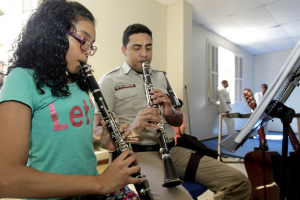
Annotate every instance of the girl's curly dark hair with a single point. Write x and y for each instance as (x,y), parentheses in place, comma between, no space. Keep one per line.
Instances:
(43,45)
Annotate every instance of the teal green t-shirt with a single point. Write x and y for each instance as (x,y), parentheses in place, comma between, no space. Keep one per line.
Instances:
(61,137)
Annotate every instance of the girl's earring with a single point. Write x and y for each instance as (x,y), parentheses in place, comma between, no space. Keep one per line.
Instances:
(67,73)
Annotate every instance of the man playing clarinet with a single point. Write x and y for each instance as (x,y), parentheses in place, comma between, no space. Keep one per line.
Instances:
(123,89)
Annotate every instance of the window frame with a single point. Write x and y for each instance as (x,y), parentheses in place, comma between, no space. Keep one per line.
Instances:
(212,62)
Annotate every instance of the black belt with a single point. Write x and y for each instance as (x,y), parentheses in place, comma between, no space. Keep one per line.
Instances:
(155,147)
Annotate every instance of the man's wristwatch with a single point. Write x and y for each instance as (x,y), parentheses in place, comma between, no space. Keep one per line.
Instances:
(174,114)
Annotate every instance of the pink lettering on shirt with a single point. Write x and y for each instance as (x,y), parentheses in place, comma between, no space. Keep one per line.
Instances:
(91,103)
(86,108)
(56,125)
(73,116)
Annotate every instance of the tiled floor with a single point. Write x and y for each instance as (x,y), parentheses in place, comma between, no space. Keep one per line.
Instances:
(205,196)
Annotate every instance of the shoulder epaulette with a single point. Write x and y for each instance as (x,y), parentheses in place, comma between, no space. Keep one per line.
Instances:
(114,70)
(159,71)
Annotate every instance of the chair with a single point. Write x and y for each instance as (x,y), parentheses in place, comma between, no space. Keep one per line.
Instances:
(195,189)
(229,115)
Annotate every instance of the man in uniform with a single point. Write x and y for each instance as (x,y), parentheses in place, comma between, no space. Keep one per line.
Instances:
(123,90)
(225,107)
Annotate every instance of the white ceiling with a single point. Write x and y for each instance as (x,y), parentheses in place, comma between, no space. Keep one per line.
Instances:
(258,26)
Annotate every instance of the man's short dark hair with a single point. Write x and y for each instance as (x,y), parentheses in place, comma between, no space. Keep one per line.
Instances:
(264,85)
(224,81)
(134,29)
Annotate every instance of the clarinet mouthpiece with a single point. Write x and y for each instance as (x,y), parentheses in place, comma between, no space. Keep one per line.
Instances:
(82,63)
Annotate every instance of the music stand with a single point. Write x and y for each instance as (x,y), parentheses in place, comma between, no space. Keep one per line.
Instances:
(272,106)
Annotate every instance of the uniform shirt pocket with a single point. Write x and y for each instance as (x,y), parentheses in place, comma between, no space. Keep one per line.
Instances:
(126,97)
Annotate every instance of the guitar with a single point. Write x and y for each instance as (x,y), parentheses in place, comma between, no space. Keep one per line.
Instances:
(248,95)
(263,145)
(258,164)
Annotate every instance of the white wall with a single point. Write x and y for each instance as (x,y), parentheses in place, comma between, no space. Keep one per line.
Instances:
(179,48)
(204,115)
(266,67)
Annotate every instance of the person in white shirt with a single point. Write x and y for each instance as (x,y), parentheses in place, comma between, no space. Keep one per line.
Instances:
(259,95)
(225,107)
(258,98)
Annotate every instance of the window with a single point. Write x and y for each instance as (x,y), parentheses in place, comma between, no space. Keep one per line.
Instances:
(223,64)
(238,64)
(213,68)
(27,7)
(14,16)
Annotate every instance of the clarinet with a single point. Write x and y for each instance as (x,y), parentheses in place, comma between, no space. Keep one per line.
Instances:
(171,177)
(107,116)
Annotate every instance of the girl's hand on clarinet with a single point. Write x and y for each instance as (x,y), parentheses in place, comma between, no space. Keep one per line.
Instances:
(118,173)
(105,140)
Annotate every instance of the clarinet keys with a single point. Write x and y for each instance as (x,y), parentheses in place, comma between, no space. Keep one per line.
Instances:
(171,177)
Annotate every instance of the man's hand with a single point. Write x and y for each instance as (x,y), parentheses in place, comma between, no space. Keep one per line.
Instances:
(145,119)
(147,116)
(163,100)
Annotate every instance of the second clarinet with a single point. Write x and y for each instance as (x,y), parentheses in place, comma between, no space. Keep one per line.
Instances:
(171,177)
(107,116)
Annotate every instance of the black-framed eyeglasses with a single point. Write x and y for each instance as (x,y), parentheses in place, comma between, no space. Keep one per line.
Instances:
(85,44)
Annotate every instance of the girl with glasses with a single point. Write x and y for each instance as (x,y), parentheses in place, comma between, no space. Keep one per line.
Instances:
(46,114)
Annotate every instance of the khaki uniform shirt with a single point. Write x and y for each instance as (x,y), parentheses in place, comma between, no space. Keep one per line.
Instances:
(124,93)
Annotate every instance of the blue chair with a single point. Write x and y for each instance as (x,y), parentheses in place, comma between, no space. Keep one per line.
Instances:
(195,189)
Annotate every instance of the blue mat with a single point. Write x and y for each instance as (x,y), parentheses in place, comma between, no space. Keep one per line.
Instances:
(274,145)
